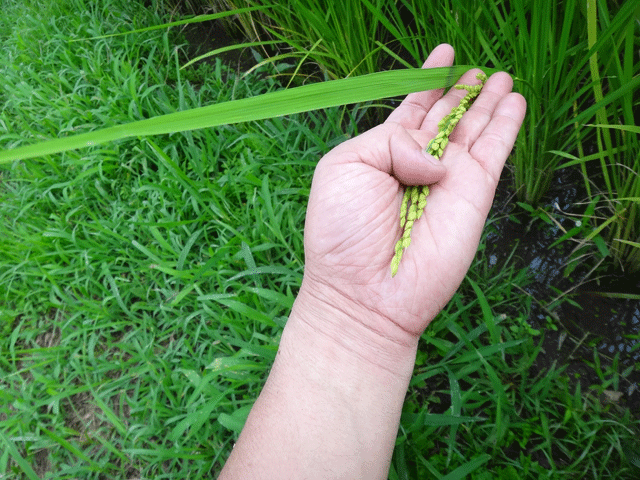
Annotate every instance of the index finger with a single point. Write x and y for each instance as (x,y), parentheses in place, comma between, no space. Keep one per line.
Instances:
(413,109)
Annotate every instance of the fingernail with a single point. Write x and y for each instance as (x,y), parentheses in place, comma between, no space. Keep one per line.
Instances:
(430,158)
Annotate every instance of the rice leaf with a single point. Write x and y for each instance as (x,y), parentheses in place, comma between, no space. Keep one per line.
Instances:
(626,128)
(274,104)
(188,21)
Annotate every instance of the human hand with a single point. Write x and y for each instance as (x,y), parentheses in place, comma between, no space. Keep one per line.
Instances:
(352,222)
(332,403)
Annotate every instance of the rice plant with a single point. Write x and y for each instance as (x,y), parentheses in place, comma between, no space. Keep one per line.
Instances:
(559,53)
(617,136)
(337,38)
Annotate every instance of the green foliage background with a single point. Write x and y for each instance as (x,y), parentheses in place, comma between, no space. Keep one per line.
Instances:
(144,285)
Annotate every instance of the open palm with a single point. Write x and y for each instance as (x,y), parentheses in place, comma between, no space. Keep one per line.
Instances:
(352,222)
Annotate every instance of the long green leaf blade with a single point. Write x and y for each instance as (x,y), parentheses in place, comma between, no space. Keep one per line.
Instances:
(197,19)
(363,88)
(15,454)
(626,128)
(463,470)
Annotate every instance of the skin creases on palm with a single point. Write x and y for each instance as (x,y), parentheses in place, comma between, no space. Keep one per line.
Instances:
(415,197)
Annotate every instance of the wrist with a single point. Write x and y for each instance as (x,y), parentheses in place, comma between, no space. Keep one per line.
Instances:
(333,400)
(342,386)
(332,403)
(325,321)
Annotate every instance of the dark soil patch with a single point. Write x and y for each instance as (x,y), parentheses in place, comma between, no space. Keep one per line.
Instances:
(576,301)
(205,37)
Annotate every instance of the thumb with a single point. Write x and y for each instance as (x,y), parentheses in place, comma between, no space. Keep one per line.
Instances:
(392,149)
(410,163)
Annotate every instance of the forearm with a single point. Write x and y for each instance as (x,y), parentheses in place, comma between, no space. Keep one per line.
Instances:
(332,403)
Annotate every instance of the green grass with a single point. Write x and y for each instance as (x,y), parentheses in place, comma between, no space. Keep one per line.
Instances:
(567,73)
(575,65)
(322,34)
(144,284)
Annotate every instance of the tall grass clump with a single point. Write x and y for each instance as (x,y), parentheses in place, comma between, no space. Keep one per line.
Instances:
(545,45)
(572,80)
(608,149)
(616,135)
(567,72)
(335,39)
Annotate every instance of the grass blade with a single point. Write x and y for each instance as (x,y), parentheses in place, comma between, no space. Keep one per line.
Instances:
(282,102)
(467,468)
(489,318)
(228,48)
(197,19)
(626,128)
(15,454)
(440,420)
(601,114)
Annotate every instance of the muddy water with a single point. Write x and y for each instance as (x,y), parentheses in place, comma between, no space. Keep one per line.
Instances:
(588,318)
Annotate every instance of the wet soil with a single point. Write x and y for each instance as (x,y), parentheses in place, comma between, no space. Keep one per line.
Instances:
(575,304)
